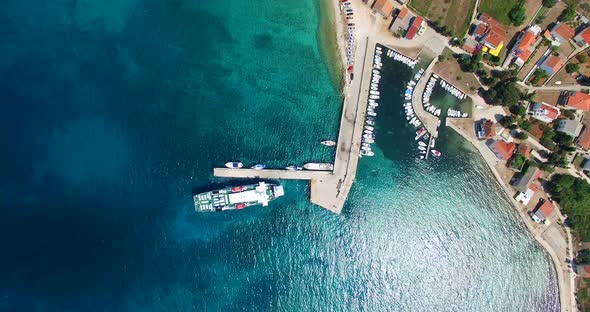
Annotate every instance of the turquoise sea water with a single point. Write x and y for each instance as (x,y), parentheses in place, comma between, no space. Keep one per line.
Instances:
(113,112)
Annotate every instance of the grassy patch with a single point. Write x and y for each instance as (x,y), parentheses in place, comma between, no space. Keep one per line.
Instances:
(582,295)
(578,161)
(421,6)
(454,14)
(498,9)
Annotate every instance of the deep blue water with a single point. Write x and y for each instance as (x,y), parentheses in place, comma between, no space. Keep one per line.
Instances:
(113,112)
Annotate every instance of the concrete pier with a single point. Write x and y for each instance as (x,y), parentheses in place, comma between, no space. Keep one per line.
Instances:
(330,189)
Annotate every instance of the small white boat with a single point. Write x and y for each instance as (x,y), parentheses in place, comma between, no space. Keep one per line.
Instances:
(368,131)
(371,114)
(368,136)
(422,148)
(259,167)
(328,143)
(366,144)
(370,122)
(420,157)
(367,153)
(368,140)
(234,165)
(369,128)
(294,168)
(422,143)
(436,153)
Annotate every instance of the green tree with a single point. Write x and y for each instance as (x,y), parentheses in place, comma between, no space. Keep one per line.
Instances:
(547,167)
(519,110)
(521,135)
(507,120)
(572,68)
(549,3)
(583,57)
(568,14)
(518,161)
(517,15)
(563,139)
(573,195)
(525,124)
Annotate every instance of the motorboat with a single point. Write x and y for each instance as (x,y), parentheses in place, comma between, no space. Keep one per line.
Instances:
(294,168)
(436,153)
(370,122)
(422,144)
(422,148)
(328,143)
(234,165)
(367,153)
(369,128)
(258,167)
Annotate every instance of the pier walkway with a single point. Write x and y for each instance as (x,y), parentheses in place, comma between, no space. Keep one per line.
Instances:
(330,189)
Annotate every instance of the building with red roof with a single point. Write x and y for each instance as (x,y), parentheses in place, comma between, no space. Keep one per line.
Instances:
(531,175)
(545,209)
(383,7)
(524,150)
(578,100)
(486,129)
(560,34)
(551,64)
(470,45)
(502,149)
(491,34)
(414,27)
(545,112)
(583,38)
(525,45)
(583,270)
(583,141)
(402,22)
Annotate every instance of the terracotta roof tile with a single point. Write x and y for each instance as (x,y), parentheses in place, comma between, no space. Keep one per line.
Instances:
(385,6)
(547,208)
(564,31)
(584,139)
(585,34)
(555,62)
(504,149)
(579,100)
(523,48)
(524,150)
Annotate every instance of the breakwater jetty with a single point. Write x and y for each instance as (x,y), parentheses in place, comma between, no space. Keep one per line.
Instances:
(330,189)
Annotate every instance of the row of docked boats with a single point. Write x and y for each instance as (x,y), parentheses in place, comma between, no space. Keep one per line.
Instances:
(456,113)
(402,58)
(307,166)
(428,93)
(452,90)
(374,95)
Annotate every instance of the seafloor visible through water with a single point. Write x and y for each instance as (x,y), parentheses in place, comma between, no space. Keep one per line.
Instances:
(113,112)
